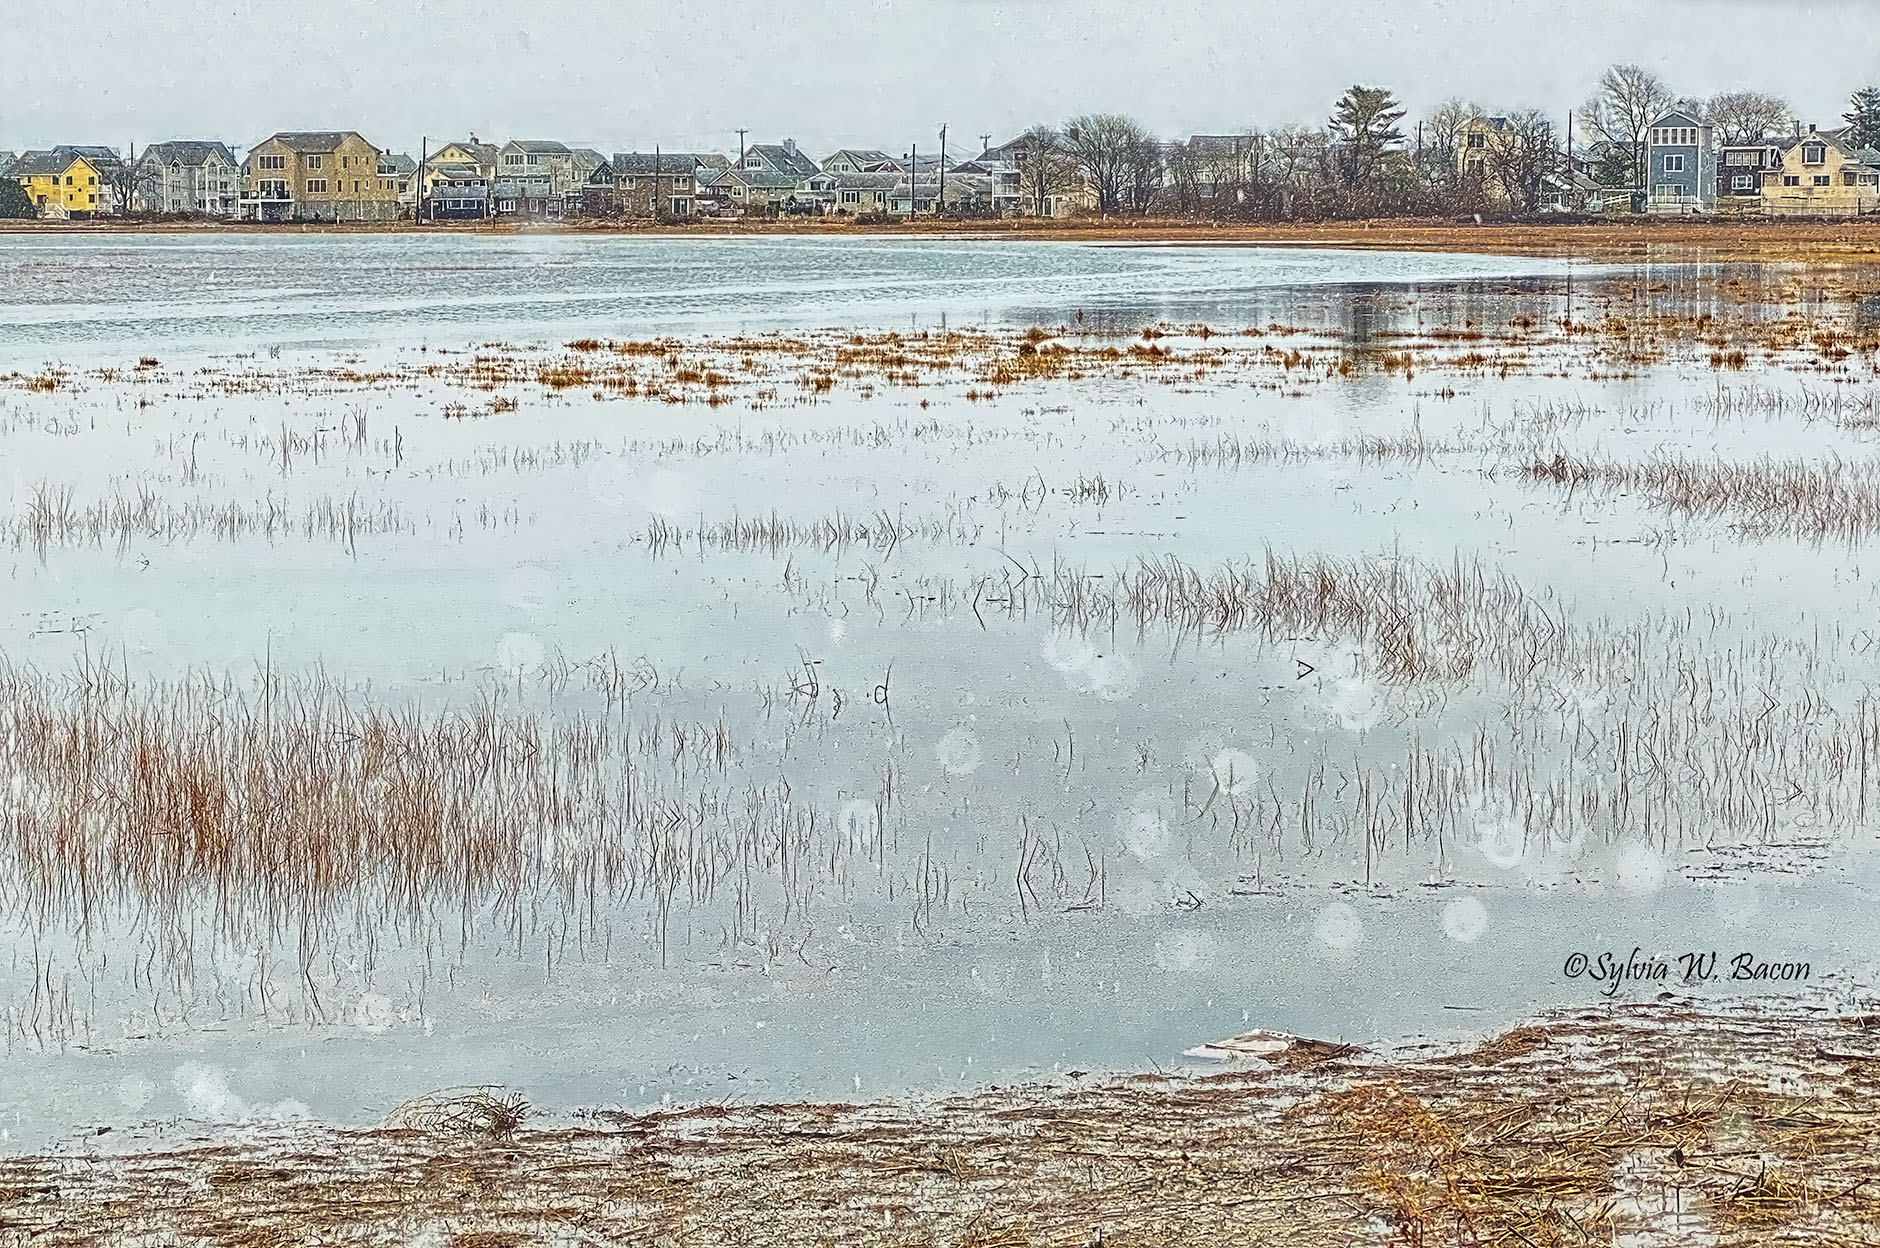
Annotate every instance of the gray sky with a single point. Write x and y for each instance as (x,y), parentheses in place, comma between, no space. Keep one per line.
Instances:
(877,73)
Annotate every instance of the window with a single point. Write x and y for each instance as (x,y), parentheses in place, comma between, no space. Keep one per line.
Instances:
(1822,179)
(851,197)
(1814,153)
(271,162)
(355,186)
(315,161)
(1742,182)
(316,186)
(1791,179)
(345,162)
(512,159)
(1674,164)
(1477,139)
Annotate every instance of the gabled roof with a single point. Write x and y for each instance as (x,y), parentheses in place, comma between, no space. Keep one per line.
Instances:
(46,162)
(538,147)
(781,160)
(401,163)
(863,158)
(627,164)
(191,153)
(587,156)
(763,179)
(314,142)
(829,180)
(483,153)
(1678,117)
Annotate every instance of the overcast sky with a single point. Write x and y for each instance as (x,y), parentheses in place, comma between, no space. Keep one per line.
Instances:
(877,73)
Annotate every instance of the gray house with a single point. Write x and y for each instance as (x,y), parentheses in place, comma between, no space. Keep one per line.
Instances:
(188,175)
(1680,164)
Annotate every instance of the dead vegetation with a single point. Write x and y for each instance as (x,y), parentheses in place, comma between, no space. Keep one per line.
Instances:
(1813,500)
(1650,1124)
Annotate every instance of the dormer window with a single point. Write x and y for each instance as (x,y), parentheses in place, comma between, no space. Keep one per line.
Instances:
(1814,153)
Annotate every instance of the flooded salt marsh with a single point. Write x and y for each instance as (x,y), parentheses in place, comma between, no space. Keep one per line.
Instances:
(622,711)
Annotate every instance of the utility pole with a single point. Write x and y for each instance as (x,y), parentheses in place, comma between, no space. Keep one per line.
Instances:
(940,201)
(741,135)
(985,144)
(913,182)
(658,206)
(420,207)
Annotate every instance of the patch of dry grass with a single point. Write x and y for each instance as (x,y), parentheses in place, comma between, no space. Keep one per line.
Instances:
(1724,1126)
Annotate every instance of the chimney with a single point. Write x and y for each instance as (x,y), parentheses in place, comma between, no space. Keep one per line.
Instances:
(1811,127)
(789,146)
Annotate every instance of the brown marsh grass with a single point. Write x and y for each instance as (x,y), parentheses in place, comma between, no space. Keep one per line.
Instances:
(1655,1123)
(1811,500)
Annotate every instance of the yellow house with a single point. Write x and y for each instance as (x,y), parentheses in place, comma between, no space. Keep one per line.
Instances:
(318,175)
(62,182)
(481,155)
(1821,174)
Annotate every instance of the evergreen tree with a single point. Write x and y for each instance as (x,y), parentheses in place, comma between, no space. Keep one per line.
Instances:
(1863,120)
(14,202)
(1365,125)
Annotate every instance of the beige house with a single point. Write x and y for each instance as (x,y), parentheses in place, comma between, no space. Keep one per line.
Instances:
(319,175)
(470,153)
(1819,174)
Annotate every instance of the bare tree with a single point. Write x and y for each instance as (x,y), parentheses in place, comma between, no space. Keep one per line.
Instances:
(1628,100)
(1143,172)
(1300,159)
(1106,148)
(1042,168)
(1745,116)
(1443,134)
(1520,155)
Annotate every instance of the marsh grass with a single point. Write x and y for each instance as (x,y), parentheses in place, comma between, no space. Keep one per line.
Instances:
(1670,1123)
(1812,500)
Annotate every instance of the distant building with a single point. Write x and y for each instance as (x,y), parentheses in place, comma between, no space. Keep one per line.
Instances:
(188,175)
(316,175)
(1680,164)
(456,193)
(70,182)
(400,173)
(781,159)
(1820,173)
(540,170)
(1740,171)
(649,184)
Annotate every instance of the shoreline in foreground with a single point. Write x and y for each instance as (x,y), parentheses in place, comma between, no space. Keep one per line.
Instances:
(1854,240)
(1727,1124)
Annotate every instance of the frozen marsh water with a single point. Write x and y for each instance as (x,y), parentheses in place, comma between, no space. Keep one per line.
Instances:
(621,669)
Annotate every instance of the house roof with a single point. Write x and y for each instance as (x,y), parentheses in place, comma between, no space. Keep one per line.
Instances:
(193,153)
(762,179)
(830,180)
(781,160)
(588,156)
(400,162)
(538,147)
(313,141)
(483,153)
(1678,117)
(629,163)
(861,157)
(46,162)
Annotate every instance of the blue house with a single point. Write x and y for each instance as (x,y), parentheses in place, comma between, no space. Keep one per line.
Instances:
(1680,164)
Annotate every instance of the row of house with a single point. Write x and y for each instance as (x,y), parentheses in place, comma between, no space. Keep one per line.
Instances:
(342,176)
(1687,170)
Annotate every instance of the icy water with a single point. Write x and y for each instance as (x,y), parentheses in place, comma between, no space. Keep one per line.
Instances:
(380,719)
